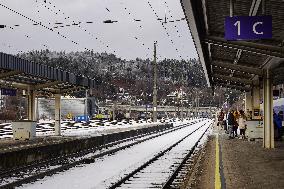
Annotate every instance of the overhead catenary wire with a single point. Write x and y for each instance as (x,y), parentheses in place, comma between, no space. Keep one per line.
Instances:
(167,33)
(42,25)
(58,23)
(179,35)
(75,23)
(140,27)
(174,21)
(26,36)
(106,21)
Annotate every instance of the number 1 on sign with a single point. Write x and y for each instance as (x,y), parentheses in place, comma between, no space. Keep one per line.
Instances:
(238,24)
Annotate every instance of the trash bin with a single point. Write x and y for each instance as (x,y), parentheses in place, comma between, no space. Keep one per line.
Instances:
(24,130)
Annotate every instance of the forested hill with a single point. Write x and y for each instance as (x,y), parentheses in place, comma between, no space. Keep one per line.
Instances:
(134,76)
(94,65)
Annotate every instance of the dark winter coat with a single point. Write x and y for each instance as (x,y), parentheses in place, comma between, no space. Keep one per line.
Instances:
(231,119)
(277,121)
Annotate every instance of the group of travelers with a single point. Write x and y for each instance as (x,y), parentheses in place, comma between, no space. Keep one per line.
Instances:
(235,120)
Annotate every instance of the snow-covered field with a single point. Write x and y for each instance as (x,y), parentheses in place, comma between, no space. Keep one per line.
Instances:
(109,169)
(70,128)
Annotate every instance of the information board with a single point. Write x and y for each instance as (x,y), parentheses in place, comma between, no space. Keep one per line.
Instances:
(8,92)
(248,27)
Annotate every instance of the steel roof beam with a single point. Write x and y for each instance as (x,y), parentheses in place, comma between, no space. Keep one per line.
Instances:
(224,81)
(4,83)
(254,7)
(233,86)
(192,21)
(205,16)
(237,67)
(9,74)
(233,79)
(75,88)
(35,70)
(267,50)
(45,85)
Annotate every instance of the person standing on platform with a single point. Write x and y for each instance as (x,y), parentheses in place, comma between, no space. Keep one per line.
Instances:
(281,117)
(242,124)
(220,118)
(231,123)
(235,127)
(277,126)
(225,127)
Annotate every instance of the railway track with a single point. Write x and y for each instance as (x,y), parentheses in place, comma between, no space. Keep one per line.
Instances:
(167,168)
(26,174)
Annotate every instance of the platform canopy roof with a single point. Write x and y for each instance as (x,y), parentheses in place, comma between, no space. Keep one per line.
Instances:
(236,64)
(22,74)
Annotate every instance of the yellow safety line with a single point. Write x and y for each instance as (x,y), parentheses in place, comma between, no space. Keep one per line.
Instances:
(217,166)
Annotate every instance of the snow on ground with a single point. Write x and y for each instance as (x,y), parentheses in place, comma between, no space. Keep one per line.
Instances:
(160,170)
(70,128)
(108,169)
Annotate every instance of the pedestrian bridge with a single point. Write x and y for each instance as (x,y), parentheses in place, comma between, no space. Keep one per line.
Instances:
(163,108)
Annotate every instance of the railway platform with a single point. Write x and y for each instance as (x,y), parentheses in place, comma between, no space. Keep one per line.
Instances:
(235,163)
(16,152)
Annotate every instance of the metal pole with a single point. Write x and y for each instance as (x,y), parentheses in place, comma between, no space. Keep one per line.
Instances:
(146,113)
(181,105)
(175,110)
(155,85)
(86,103)
(37,110)
(114,110)
(195,103)
(198,106)
(210,113)
(268,141)
(57,125)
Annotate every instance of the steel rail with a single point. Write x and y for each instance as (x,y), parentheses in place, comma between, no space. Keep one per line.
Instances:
(167,185)
(150,161)
(91,159)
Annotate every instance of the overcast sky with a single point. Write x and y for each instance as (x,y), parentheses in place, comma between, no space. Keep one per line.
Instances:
(124,38)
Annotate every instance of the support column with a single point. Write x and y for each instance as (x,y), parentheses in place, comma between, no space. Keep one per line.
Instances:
(86,103)
(114,110)
(31,105)
(181,108)
(268,138)
(188,113)
(255,100)
(57,125)
(155,84)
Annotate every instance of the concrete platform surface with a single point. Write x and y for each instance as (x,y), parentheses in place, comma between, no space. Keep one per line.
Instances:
(7,145)
(243,164)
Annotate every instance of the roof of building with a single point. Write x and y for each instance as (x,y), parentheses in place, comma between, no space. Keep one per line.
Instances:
(22,74)
(235,64)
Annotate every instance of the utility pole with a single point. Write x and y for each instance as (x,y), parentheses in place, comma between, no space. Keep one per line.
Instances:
(114,110)
(86,103)
(181,105)
(146,116)
(37,109)
(195,101)
(198,106)
(155,84)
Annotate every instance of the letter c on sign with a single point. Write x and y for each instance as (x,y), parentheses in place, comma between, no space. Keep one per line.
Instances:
(254,28)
